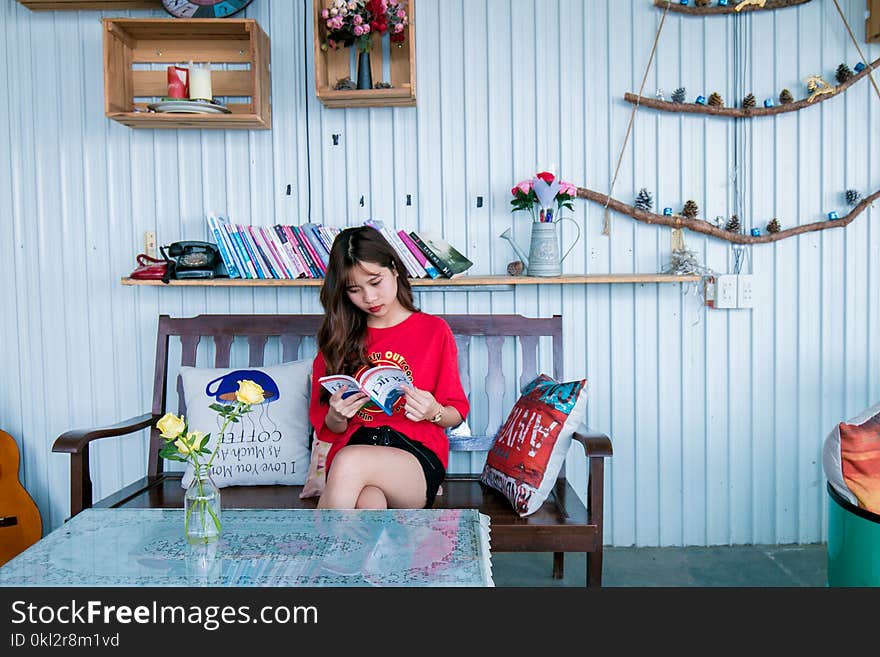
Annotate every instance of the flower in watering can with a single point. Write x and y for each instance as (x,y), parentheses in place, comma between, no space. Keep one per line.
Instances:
(542,196)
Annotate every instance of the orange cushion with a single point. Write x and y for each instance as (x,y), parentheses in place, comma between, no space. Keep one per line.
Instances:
(860,461)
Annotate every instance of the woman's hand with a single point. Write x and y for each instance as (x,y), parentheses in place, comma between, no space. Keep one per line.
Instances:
(345,409)
(420,404)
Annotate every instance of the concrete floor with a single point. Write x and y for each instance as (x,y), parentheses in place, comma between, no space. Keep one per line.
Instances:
(737,566)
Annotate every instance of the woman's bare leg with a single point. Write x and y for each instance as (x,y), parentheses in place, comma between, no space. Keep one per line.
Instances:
(396,473)
(371,497)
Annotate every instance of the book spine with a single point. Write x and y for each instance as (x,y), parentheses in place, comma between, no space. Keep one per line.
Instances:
(430,255)
(252,251)
(263,251)
(316,259)
(231,269)
(284,249)
(395,244)
(266,234)
(293,245)
(220,222)
(304,253)
(417,271)
(326,237)
(418,255)
(244,254)
(311,231)
(235,238)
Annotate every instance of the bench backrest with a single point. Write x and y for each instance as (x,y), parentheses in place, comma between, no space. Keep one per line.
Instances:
(486,344)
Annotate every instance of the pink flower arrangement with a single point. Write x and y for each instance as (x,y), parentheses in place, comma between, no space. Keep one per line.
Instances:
(353,22)
(542,196)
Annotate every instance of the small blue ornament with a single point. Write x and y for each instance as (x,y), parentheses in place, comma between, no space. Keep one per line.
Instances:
(701,100)
(722,3)
(667,212)
(682,2)
(833,215)
(756,232)
(860,67)
(769,102)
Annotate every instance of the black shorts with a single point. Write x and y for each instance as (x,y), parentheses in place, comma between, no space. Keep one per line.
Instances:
(388,437)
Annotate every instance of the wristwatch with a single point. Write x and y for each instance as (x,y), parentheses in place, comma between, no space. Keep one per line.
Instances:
(436,419)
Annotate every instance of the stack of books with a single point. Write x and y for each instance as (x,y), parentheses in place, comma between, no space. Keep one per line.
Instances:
(288,252)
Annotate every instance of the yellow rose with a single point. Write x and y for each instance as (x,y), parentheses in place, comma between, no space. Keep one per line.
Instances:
(195,439)
(170,425)
(249,392)
(182,447)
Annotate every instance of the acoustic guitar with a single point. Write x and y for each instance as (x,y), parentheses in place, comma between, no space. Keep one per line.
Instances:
(20,522)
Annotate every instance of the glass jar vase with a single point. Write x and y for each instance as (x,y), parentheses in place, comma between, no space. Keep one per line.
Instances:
(201,507)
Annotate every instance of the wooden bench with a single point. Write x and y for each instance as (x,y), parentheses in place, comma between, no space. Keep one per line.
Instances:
(563,524)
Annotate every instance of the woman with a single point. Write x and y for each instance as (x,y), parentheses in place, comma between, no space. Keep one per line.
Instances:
(380,461)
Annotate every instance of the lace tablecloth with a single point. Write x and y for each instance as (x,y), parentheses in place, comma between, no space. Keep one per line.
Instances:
(262,547)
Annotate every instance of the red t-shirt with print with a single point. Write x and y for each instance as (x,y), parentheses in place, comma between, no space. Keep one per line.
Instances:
(423,346)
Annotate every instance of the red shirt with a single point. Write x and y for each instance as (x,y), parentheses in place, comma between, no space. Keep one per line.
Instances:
(423,346)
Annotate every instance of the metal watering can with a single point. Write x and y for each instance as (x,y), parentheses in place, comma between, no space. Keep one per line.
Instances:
(543,259)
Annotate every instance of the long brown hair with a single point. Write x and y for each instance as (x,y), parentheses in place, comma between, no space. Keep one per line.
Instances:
(343,333)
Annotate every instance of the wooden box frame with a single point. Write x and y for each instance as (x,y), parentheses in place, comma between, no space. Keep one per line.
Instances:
(872,23)
(97,5)
(331,65)
(130,41)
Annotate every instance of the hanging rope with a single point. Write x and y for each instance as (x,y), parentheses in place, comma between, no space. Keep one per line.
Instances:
(606,230)
(855,41)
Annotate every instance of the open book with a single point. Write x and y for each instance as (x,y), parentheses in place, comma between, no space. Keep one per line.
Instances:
(381,384)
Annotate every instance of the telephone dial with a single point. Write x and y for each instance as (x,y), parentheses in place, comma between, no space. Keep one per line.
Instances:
(193,260)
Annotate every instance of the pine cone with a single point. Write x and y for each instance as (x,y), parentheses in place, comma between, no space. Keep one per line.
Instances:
(644,201)
(749,101)
(690,209)
(733,224)
(679,95)
(715,100)
(844,73)
(785,97)
(515,268)
(773,226)
(853,196)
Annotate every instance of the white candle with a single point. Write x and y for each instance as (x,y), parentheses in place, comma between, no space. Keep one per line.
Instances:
(200,82)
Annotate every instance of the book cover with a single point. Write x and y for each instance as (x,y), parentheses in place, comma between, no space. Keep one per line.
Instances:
(238,245)
(296,250)
(427,265)
(231,268)
(222,225)
(304,252)
(412,267)
(445,257)
(382,384)
(311,231)
(288,253)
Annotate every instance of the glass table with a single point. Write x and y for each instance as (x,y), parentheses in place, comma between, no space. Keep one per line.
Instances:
(262,547)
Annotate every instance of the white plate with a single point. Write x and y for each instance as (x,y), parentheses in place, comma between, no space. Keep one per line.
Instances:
(189,107)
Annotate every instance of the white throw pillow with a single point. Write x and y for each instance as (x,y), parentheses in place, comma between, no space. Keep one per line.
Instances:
(267,446)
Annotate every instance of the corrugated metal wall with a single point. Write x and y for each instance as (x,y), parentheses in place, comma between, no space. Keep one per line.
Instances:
(717,416)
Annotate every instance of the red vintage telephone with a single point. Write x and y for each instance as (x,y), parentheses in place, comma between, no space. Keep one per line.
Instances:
(20,522)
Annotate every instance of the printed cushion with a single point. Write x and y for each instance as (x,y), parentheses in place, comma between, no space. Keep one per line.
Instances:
(267,446)
(530,448)
(851,459)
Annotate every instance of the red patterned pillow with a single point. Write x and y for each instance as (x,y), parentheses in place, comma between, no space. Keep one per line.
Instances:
(860,461)
(530,448)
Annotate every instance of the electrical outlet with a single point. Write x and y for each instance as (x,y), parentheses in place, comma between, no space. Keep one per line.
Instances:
(725,291)
(150,243)
(744,296)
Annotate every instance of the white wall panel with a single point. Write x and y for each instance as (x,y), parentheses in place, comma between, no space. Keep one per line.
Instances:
(717,417)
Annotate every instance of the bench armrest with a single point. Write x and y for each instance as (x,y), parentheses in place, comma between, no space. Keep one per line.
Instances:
(72,442)
(595,443)
(76,443)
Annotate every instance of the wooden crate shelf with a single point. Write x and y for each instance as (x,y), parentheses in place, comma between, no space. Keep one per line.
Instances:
(131,43)
(97,5)
(872,23)
(461,281)
(332,65)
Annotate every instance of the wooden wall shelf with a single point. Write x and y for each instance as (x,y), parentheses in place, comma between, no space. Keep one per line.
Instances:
(461,281)
(740,112)
(97,5)
(332,65)
(136,41)
(716,10)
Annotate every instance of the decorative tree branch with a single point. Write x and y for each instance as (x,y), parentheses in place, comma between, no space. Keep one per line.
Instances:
(730,9)
(740,112)
(701,226)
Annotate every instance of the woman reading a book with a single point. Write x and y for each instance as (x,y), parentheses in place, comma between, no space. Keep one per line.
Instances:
(394,458)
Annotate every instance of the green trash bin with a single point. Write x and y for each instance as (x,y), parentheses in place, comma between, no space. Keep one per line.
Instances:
(853,543)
